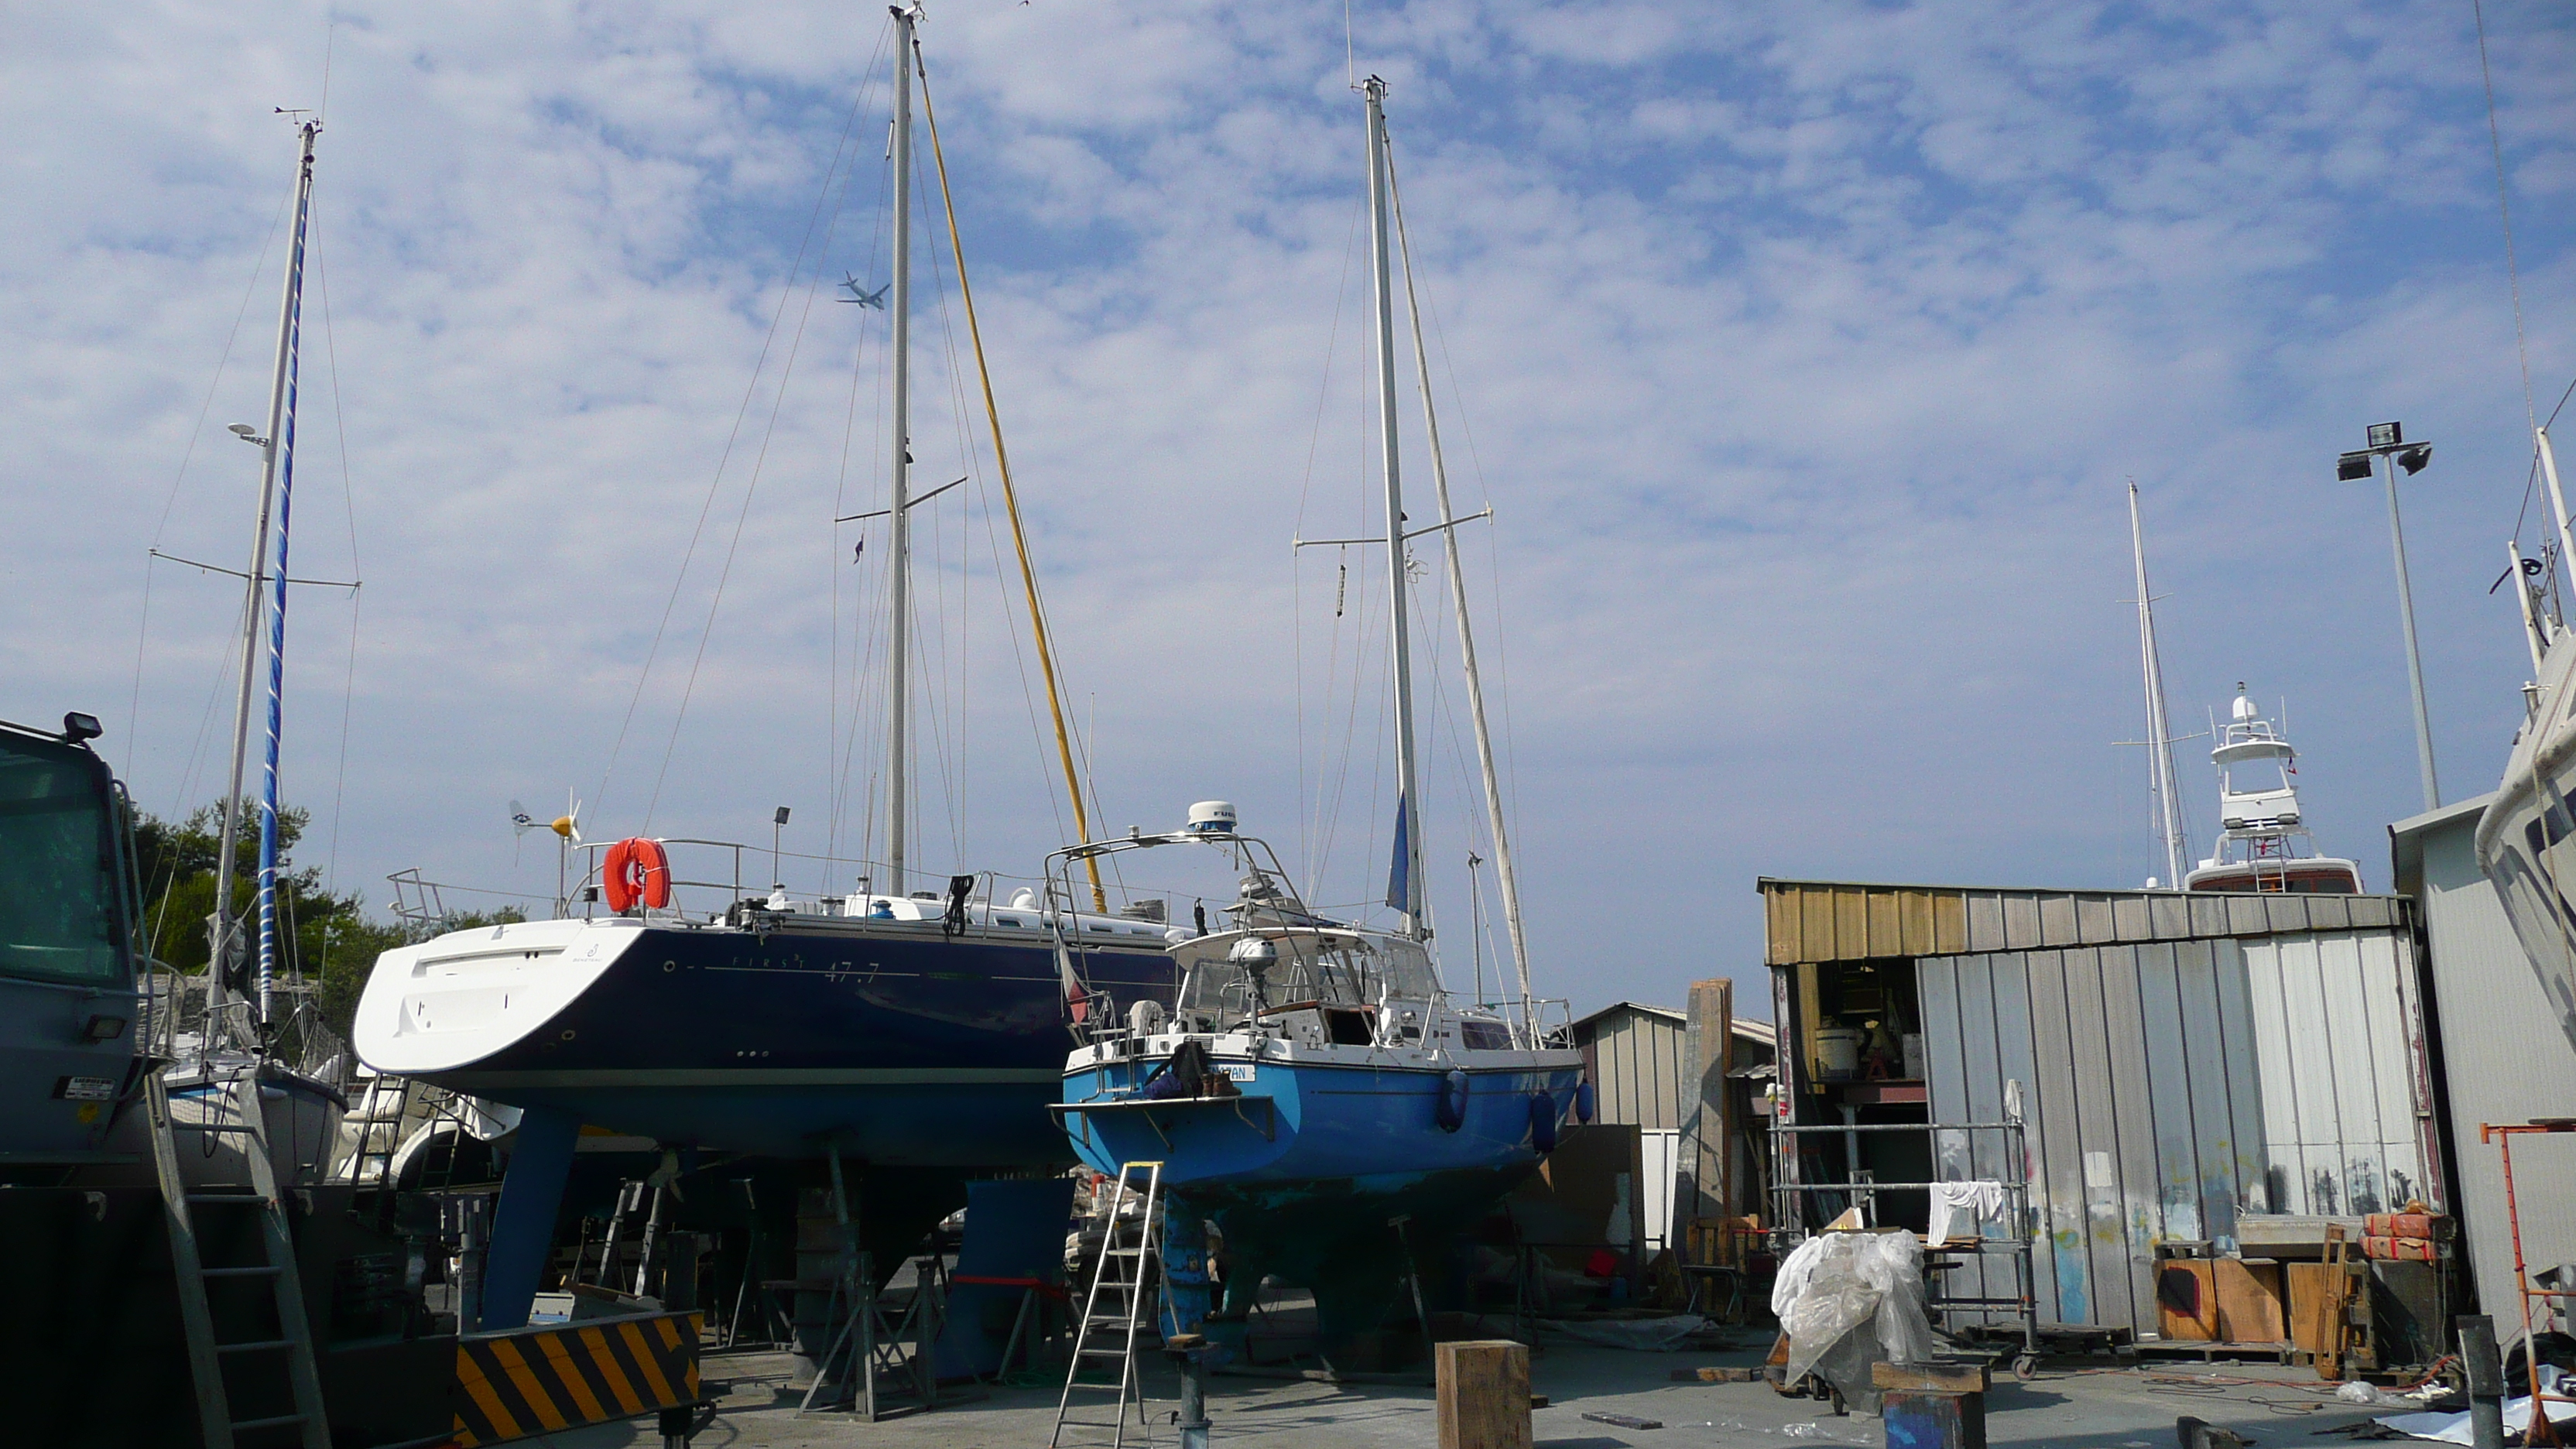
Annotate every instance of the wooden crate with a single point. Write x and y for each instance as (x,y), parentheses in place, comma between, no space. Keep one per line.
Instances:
(2249,1301)
(2187,1300)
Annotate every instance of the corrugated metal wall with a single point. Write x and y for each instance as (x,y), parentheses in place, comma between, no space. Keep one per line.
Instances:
(2157,1108)
(1640,1063)
(2505,1058)
(2336,1037)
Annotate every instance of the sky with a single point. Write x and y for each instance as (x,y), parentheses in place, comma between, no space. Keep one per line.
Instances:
(1802,355)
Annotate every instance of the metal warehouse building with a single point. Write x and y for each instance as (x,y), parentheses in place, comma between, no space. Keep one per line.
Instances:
(2186,1065)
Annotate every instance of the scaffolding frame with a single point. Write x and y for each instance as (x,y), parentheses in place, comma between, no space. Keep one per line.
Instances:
(2502,1135)
(2023,1307)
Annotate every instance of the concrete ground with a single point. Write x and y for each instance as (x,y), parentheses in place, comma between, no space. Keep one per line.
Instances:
(2074,1407)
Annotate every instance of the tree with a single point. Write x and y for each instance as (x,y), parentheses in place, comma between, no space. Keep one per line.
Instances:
(325,937)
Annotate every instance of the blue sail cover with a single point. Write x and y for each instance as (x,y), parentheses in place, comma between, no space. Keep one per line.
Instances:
(1399,871)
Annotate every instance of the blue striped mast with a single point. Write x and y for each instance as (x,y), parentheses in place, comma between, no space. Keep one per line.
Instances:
(277,482)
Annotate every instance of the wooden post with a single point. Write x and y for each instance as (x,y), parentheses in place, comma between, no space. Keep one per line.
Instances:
(1484,1394)
(1712,1029)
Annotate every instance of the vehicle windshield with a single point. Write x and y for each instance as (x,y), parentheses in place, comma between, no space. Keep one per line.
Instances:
(58,881)
(1308,973)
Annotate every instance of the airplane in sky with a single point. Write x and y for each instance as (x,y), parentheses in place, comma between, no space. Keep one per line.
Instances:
(861,295)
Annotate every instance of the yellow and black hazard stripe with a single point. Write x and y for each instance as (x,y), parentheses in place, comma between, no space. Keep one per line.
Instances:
(541,1380)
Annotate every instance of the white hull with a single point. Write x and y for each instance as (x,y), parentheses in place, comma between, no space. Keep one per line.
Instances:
(2527,838)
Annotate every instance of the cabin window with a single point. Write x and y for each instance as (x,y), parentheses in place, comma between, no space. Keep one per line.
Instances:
(58,879)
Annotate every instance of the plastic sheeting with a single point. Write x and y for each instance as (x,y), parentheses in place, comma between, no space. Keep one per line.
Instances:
(2454,1428)
(1849,1300)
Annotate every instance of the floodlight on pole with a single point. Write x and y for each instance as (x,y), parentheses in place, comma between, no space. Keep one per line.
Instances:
(2388,440)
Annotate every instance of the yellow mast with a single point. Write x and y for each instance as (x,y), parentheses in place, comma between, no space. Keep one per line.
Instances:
(1010,496)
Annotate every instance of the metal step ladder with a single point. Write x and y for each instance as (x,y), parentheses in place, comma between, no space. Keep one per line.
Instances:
(289,1353)
(1115,1313)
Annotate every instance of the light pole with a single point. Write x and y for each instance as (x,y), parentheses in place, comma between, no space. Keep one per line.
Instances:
(2388,440)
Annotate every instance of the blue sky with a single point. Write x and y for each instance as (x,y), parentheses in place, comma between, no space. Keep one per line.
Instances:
(1802,353)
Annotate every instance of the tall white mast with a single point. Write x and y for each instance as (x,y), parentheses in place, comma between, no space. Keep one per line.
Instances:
(898,703)
(223,936)
(2557,506)
(1404,876)
(1448,526)
(2160,763)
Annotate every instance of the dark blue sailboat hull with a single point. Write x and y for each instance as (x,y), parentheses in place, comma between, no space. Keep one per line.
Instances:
(924,1051)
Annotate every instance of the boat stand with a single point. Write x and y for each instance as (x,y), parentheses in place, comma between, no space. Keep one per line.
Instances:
(523,1227)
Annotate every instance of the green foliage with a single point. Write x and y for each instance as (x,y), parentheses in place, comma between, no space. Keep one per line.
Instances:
(326,937)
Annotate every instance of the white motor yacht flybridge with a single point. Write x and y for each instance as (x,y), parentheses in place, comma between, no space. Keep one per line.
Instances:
(2522,840)
(2263,840)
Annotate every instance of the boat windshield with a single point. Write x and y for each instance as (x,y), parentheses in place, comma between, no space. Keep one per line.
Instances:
(58,880)
(1308,972)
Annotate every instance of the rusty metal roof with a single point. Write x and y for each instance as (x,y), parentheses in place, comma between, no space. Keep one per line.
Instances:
(1849,921)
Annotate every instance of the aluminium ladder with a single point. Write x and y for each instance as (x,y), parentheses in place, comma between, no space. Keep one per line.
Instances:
(291,1350)
(1117,1305)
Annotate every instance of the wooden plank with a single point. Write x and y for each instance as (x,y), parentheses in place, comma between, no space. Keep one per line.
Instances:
(2187,1300)
(1934,1377)
(1880,923)
(1914,924)
(1851,924)
(1482,1388)
(1949,922)
(1779,924)
(1712,1013)
(2249,1301)
(1816,924)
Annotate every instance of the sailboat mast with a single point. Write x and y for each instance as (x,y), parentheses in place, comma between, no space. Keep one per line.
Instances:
(898,702)
(222,932)
(281,433)
(1404,878)
(1466,631)
(2160,764)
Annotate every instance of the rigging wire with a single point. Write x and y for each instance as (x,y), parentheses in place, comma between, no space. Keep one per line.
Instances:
(760,457)
(750,390)
(2504,209)
(349,505)
(187,455)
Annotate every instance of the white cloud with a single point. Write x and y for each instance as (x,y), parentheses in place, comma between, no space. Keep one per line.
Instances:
(1802,354)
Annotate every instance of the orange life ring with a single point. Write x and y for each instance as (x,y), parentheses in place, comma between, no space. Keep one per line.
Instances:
(636,871)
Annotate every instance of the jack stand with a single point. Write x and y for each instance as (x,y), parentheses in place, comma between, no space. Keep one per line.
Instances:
(1192,1421)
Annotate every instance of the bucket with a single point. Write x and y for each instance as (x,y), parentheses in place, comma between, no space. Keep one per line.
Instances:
(1838,1052)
